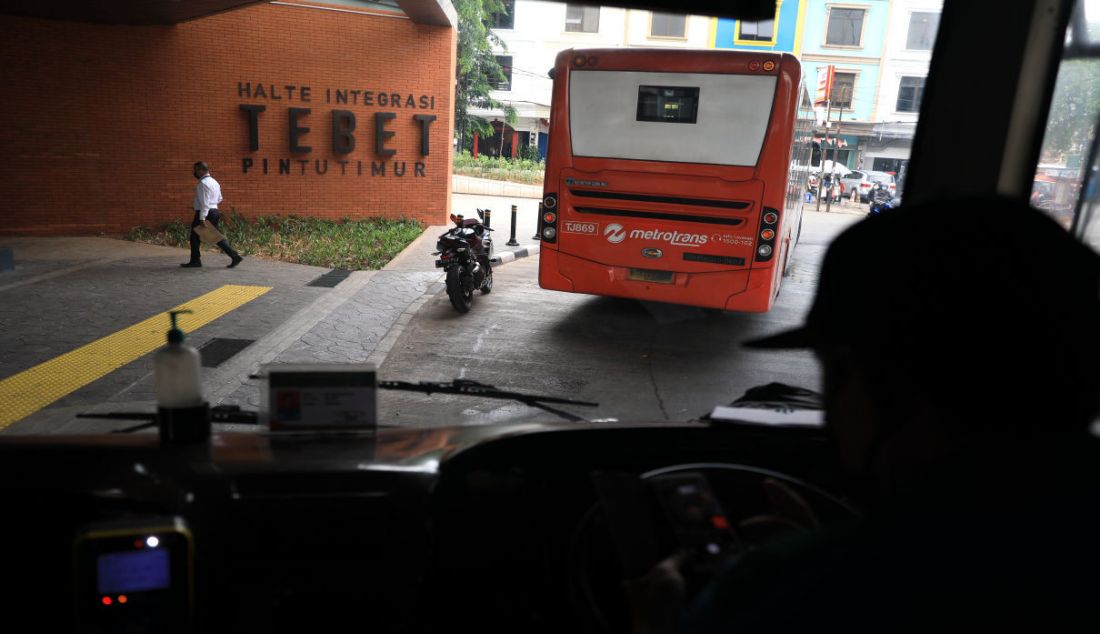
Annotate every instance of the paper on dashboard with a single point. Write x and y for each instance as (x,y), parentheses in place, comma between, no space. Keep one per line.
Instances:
(778,417)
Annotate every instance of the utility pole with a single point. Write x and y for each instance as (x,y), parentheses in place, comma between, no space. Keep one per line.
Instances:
(836,151)
(824,148)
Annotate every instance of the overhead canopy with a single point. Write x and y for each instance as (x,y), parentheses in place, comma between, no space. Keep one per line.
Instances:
(166,12)
(132,12)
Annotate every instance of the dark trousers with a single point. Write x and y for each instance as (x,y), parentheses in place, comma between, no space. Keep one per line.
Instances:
(212,217)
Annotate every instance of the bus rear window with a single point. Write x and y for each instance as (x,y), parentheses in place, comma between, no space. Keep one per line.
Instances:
(616,115)
(667,104)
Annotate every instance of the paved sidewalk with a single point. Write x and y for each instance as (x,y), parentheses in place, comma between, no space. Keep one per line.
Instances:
(68,292)
(88,288)
(488,187)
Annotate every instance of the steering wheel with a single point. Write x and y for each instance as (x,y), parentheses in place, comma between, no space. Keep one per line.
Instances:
(760,505)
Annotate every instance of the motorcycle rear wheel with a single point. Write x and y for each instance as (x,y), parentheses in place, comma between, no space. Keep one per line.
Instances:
(461,299)
(487,285)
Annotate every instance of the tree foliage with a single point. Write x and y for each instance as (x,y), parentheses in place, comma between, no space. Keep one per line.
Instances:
(478,72)
(1073,110)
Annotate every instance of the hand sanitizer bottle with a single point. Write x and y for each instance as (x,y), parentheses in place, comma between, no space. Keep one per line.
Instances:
(182,413)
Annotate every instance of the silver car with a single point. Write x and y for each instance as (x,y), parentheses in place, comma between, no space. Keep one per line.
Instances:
(864,180)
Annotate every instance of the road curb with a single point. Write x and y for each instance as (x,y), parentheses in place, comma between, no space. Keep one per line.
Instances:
(508,256)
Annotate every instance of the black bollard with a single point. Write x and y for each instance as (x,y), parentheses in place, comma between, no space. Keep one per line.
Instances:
(512,235)
(488,217)
(538,224)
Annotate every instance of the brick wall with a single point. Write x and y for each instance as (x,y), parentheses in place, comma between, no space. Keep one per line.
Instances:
(101,124)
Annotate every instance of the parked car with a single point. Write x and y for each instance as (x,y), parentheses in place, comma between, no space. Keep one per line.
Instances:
(864,180)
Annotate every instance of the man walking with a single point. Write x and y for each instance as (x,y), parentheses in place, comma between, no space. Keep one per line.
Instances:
(208,193)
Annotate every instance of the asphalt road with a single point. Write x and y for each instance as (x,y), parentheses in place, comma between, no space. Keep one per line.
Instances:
(640,361)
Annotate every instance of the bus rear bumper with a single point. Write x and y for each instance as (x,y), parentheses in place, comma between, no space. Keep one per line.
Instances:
(742,291)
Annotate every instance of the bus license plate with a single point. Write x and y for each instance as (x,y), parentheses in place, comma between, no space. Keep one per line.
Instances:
(650,275)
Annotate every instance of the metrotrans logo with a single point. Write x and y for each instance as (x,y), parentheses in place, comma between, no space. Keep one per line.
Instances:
(615,233)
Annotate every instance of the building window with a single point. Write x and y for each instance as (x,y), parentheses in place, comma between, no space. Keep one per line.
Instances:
(845,27)
(922,31)
(582,19)
(761,31)
(909,94)
(505,19)
(844,85)
(505,62)
(667,25)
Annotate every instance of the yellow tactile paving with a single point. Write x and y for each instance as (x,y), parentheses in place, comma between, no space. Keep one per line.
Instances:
(29,391)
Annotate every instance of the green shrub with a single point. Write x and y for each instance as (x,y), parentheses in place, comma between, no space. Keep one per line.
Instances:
(346,243)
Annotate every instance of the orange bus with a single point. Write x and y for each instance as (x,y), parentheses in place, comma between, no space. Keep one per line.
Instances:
(675,176)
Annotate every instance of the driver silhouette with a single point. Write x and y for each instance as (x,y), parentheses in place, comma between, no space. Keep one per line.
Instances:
(959,345)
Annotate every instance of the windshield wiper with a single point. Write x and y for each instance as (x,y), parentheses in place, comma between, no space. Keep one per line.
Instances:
(218,414)
(475,388)
(466,387)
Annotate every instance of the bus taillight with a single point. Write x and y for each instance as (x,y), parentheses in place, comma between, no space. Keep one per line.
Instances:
(548,218)
(766,247)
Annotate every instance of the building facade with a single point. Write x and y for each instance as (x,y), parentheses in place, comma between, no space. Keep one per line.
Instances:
(328,110)
(850,36)
(910,36)
(781,34)
(534,32)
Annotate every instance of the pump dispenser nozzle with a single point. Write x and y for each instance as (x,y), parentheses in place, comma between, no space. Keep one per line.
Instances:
(175,335)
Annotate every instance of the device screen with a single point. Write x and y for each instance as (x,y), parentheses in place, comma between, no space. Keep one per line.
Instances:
(133,571)
(697,519)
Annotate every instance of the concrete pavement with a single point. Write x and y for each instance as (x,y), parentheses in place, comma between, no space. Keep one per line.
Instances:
(66,293)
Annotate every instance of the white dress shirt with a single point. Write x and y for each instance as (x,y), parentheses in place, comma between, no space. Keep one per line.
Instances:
(208,193)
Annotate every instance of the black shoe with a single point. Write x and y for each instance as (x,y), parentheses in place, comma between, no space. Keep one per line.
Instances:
(191,265)
(236,260)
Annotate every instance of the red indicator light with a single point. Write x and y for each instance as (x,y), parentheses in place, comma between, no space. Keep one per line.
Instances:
(754,65)
(579,60)
(720,521)
(122,598)
(771,218)
(549,217)
(769,65)
(106,600)
(767,234)
(138,543)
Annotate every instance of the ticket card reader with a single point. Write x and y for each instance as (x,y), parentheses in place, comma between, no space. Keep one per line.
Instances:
(134,576)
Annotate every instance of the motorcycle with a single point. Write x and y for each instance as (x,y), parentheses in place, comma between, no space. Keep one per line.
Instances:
(464,253)
(881,200)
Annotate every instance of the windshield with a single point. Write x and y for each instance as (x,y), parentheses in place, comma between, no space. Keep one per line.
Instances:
(681,117)
(289,185)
